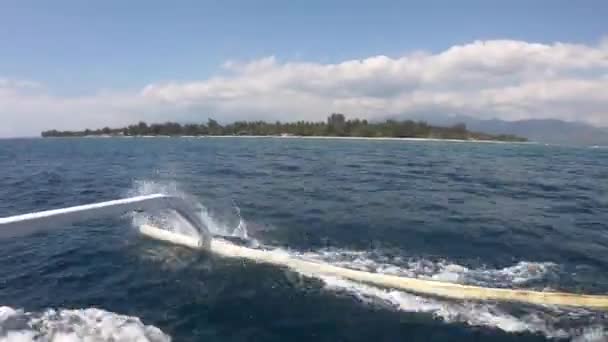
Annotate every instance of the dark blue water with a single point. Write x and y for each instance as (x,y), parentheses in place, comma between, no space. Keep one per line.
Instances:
(500,215)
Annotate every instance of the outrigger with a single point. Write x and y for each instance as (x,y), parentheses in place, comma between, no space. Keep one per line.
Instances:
(27,224)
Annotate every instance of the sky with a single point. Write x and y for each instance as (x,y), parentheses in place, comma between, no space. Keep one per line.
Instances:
(90,64)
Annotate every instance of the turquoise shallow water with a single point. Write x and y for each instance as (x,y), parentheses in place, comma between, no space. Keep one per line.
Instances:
(501,215)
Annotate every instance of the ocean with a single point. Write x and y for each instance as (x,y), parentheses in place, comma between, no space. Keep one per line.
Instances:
(505,215)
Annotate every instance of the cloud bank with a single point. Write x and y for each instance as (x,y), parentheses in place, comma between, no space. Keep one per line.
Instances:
(503,79)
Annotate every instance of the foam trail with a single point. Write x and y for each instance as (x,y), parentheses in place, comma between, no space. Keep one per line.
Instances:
(469,312)
(421,286)
(578,324)
(519,274)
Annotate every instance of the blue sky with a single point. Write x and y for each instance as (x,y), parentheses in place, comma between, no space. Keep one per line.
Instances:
(78,46)
(76,49)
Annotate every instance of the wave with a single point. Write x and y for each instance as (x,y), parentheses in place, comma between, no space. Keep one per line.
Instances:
(66,325)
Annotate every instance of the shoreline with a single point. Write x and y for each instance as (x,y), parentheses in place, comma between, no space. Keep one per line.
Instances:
(301,137)
(369,138)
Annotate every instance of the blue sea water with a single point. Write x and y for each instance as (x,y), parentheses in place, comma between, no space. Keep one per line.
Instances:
(499,215)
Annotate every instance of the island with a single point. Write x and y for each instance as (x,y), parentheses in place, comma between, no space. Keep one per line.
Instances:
(336,126)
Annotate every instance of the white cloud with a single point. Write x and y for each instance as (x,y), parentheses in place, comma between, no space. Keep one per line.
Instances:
(12,84)
(502,78)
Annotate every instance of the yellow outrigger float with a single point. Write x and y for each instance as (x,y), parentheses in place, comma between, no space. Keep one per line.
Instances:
(414,285)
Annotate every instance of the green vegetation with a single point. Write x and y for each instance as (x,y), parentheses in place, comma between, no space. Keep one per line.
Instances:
(336,125)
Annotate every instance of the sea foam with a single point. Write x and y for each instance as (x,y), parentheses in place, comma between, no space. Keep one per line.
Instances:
(377,261)
(64,325)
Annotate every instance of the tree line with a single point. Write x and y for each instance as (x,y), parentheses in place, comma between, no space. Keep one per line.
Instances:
(336,125)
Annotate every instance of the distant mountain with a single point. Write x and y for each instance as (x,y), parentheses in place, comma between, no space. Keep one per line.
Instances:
(547,131)
(550,131)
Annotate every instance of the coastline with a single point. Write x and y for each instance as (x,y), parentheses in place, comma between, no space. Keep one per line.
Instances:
(298,137)
(369,138)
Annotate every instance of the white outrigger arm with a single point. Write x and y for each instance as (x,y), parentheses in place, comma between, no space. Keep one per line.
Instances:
(31,223)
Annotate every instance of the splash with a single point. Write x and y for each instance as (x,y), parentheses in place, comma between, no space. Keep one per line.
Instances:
(169,220)
(241,229)
(74,325)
